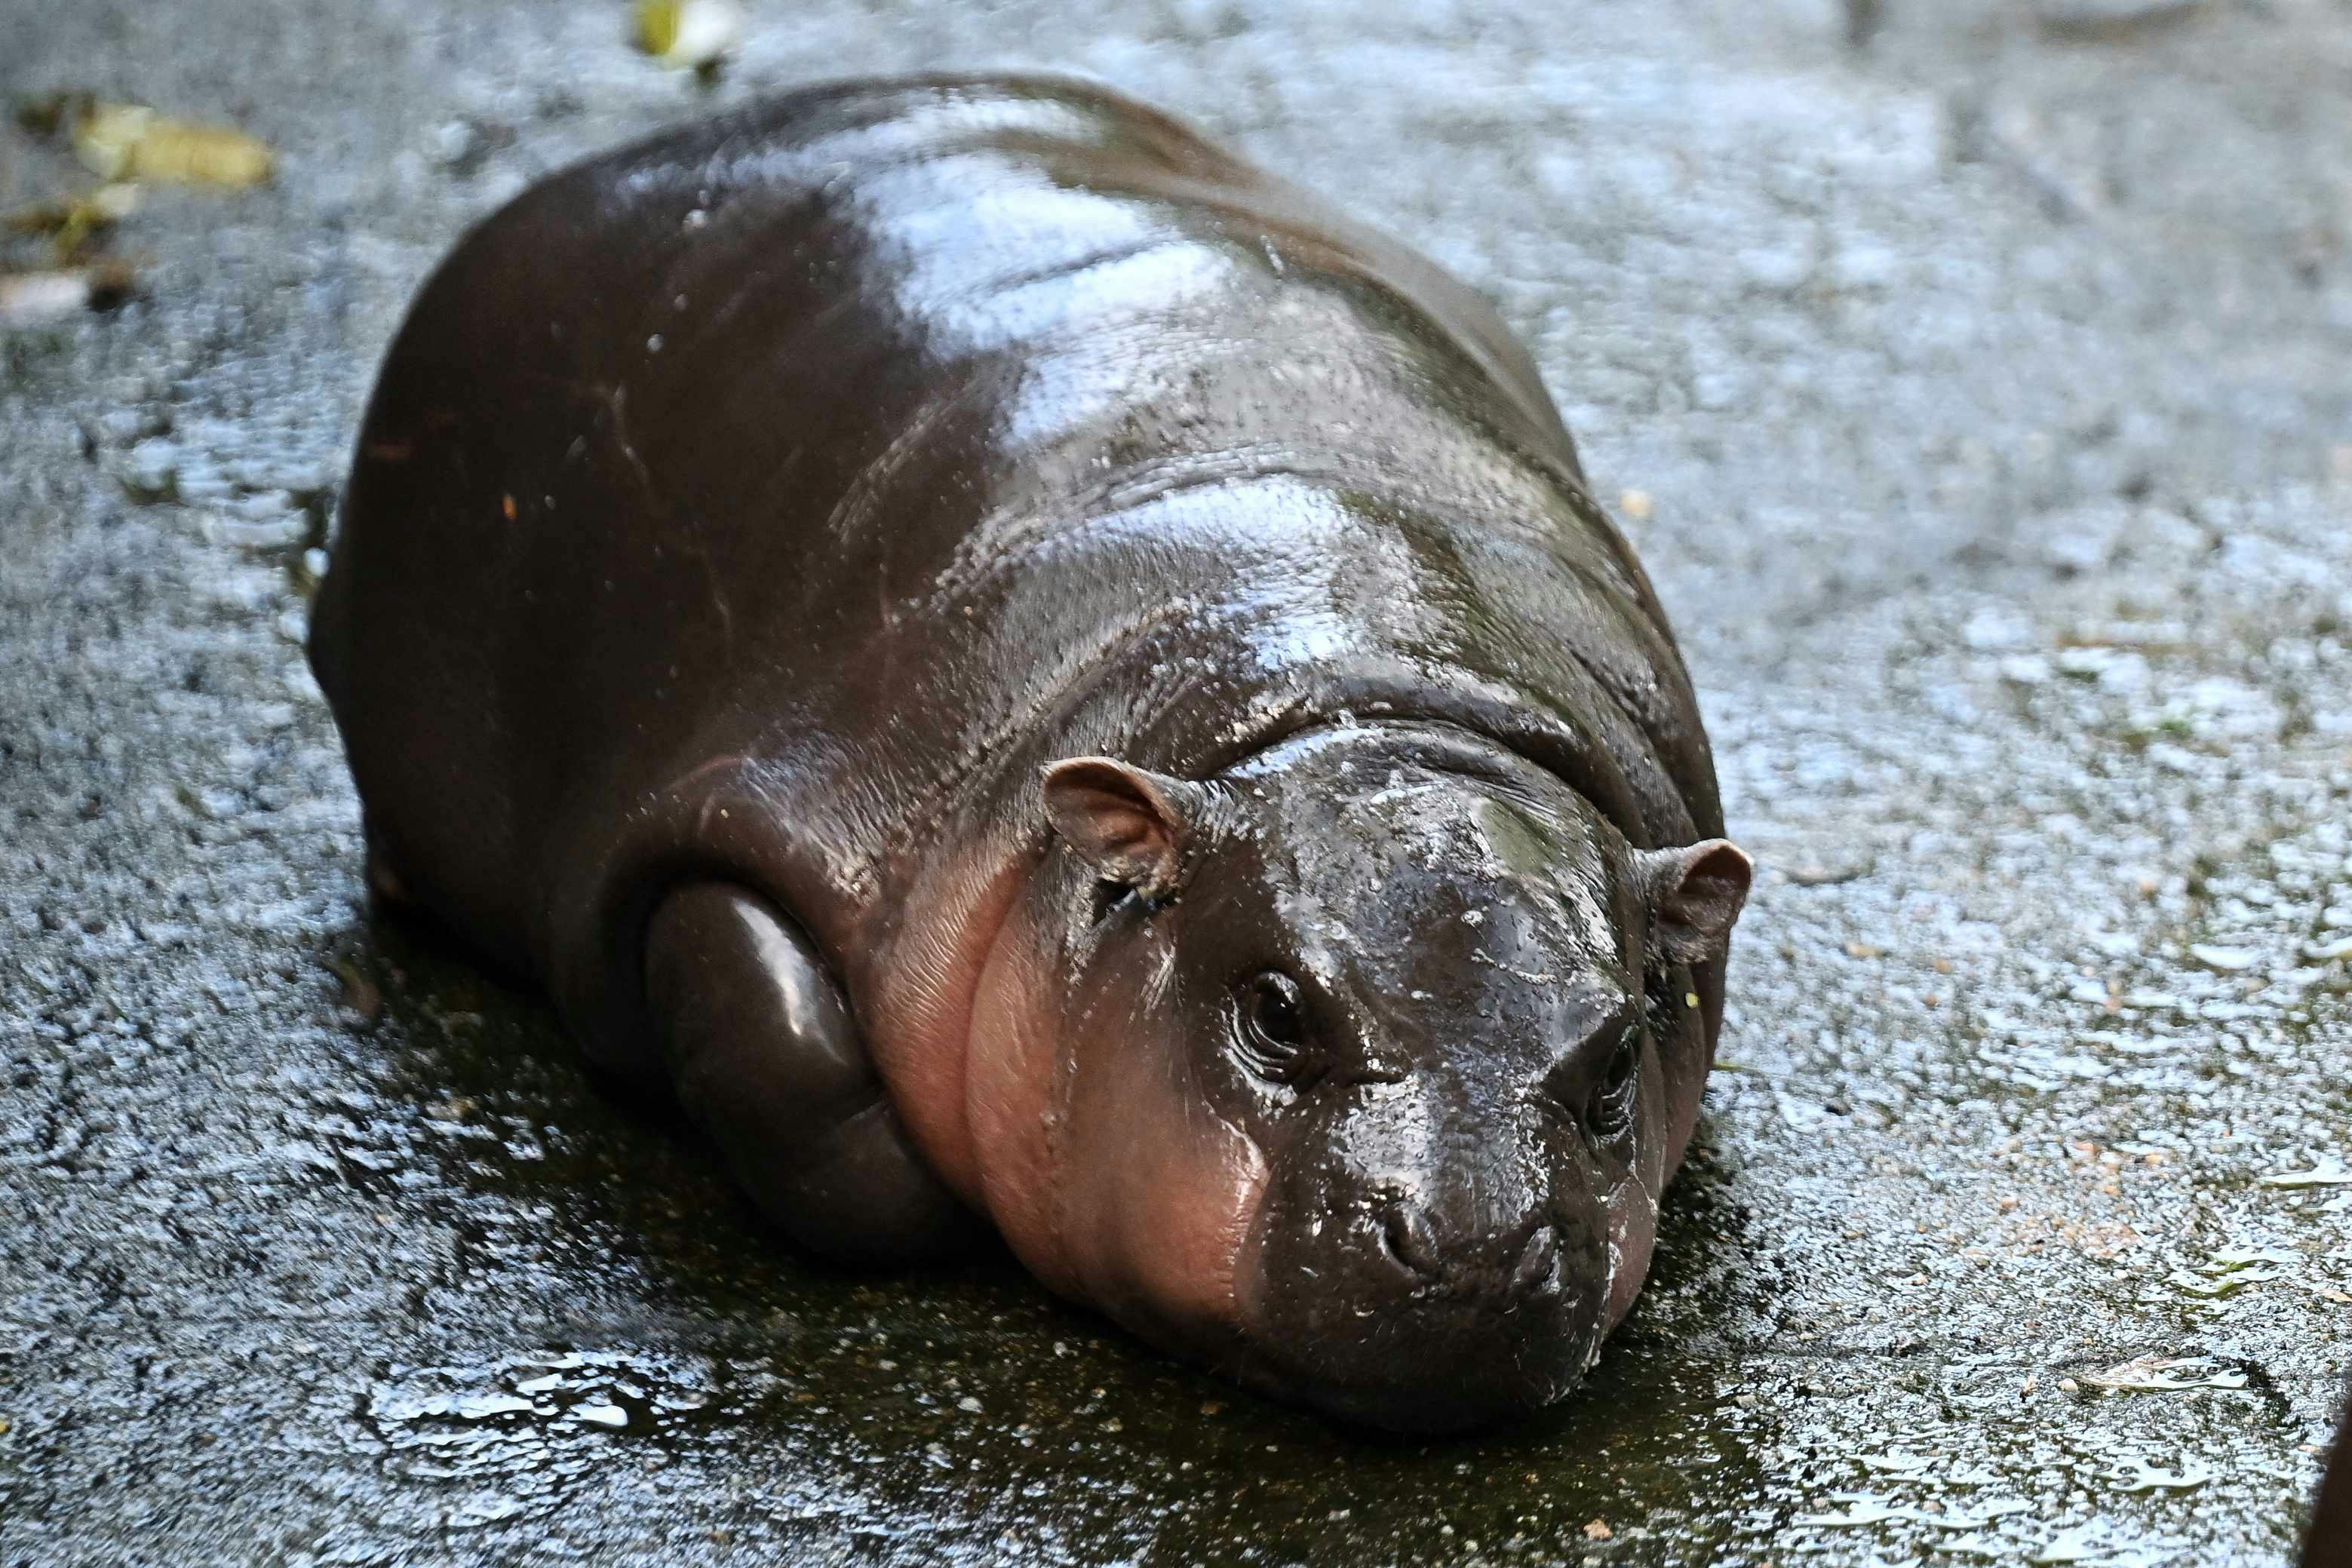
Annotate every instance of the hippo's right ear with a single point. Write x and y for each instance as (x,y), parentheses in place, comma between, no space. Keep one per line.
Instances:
(1693,894)
(1132,824)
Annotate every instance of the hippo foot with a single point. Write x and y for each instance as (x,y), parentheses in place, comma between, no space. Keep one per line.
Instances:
(384,878)
(764,1056)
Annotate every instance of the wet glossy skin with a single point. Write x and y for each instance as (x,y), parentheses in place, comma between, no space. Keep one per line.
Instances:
(765,506)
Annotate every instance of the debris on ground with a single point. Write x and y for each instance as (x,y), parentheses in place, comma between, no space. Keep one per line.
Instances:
(133,141)
(689,35)
(2158,1374)
(2328,1172)
(1825,873)
(33,298)
(75,224)
(2110,20)
(123,144)
(361,994)
(2232,1268)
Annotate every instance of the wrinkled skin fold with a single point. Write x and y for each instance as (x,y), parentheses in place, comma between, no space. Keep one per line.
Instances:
(1032,675)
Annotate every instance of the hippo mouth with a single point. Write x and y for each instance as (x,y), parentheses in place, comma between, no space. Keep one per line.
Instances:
(1407,1392)
(1379,1327)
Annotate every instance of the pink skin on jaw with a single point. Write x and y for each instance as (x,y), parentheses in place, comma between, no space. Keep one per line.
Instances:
(1115,1185)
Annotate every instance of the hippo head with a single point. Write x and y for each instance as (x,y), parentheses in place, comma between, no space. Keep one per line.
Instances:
(1370,1058)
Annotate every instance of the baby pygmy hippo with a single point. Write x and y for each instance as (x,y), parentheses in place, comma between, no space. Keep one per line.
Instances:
(1031,672)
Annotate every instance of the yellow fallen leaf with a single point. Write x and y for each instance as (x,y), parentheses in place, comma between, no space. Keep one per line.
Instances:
(133,141)
(688,35)
(72,221)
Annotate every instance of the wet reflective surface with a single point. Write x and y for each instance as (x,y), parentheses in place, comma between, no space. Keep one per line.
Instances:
(1985,396)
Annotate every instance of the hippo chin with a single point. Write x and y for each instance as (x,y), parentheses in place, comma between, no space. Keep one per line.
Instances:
(1031,674)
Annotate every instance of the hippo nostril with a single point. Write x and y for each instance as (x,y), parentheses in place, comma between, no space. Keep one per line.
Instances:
(1406,1238)
(1539,1273)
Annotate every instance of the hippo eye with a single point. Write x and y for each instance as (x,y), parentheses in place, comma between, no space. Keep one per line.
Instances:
(1273,1027)
(1611,1113)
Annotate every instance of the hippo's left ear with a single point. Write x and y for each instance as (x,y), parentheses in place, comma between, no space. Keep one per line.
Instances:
(1693,894)
(1134,825)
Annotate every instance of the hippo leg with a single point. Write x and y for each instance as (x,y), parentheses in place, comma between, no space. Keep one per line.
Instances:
(766,1058)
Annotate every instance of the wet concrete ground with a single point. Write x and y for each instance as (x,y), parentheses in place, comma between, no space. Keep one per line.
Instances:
(1978,398)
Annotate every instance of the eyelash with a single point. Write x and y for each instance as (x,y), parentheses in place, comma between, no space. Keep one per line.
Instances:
(1290,1060)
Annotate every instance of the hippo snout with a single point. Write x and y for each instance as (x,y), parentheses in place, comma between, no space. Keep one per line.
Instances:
(1424,1306)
